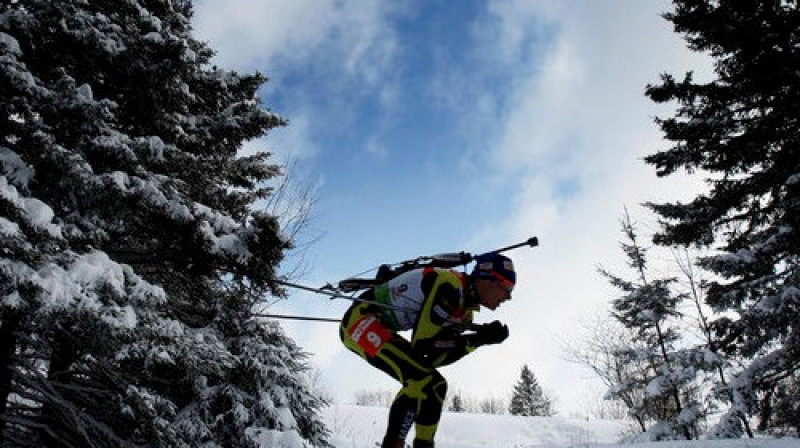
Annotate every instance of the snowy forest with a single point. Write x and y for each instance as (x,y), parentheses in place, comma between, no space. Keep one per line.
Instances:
(736,243)
(136,240)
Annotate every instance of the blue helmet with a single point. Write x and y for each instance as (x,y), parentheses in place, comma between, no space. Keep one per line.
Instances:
(495,266)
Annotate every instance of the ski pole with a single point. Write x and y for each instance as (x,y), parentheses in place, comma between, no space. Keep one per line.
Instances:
(288,317)
(335,295)
(323,290)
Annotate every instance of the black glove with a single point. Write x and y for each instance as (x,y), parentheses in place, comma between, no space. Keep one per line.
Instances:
(492,333)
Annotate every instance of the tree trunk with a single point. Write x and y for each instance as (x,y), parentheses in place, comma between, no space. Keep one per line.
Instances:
(54,434)
(8,346)
(675,392)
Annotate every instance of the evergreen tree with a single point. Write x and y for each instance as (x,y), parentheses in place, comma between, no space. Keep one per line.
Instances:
(457,404)
(528,398)
(492,405)
(132,251)
(705,356)
(646,307)
(779,410)
(741,131)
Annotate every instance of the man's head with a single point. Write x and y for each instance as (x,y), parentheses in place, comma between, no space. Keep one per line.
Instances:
(494,278)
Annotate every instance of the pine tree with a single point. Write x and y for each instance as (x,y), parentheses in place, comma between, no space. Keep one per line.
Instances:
(706,355)
(457,404)
(659,372)
(780,409)
(528,398)
(132,249)
(740,131)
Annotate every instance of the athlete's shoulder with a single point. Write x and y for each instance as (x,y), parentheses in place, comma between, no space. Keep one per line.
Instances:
(445,282)
(448,275)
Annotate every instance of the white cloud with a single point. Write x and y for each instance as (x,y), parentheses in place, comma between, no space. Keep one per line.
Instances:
(513,27)
(346,37)
(330,46)
(566,135)
(572,145)
(292,142)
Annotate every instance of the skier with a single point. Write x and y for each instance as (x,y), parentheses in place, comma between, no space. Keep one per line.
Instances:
(437,304)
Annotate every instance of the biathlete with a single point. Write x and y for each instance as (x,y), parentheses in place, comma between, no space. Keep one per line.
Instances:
(438,305)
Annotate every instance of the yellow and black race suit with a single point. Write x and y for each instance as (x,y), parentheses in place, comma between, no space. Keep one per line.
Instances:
(435,304)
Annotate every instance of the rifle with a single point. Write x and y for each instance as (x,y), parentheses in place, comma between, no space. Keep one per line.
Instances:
(387,272)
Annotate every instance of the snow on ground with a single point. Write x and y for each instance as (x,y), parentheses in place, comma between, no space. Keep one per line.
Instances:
(361,427)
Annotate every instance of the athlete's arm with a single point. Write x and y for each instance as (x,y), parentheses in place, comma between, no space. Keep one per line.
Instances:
(437,334)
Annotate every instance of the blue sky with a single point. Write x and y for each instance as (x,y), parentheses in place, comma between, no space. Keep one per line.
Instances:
(409,129)
(434,126)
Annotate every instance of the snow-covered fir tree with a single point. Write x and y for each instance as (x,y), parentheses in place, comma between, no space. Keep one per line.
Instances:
(740,130)
(780,410)
(132,248)
(457,403)
(705,354)
(528,398)
(658,372)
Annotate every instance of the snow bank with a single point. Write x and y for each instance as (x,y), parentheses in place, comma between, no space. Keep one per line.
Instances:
(361,427)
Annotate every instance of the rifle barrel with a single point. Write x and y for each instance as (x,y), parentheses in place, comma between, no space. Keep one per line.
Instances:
(532,242)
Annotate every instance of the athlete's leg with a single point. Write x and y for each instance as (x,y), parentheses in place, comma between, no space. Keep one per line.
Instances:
(421,398)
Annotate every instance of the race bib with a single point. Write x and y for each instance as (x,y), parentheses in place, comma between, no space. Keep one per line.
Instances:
(370,334)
